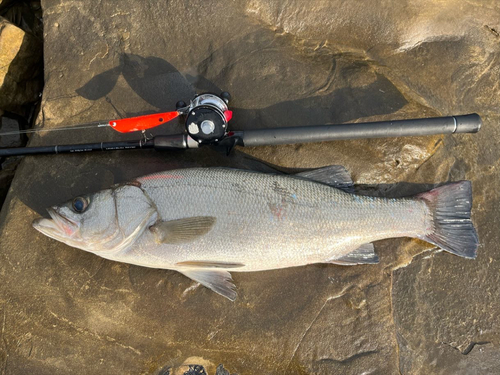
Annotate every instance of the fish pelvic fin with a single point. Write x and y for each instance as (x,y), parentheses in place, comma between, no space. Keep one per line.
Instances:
(452,229)
(365,254)
(334,175)
(220,281)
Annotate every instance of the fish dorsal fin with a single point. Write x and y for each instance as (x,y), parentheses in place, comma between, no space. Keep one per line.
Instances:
(218,280)
(333,175)
(365,254)
(209,264)
(182,230)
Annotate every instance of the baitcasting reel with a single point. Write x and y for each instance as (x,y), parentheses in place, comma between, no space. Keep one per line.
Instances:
(207,117)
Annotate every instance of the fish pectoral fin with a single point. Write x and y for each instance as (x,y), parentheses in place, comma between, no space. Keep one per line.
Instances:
(220,281)
(209,264)
(334,175)
(365,254)
(182,230)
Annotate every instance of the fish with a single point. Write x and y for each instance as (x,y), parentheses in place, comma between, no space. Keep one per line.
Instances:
(208,222)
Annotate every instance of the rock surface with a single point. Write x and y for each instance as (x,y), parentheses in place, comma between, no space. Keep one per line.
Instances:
(285,63)
(5,3)
(21,77)
(8,166)
(20,54)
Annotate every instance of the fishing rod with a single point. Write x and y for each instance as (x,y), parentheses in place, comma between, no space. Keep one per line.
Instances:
(206,124)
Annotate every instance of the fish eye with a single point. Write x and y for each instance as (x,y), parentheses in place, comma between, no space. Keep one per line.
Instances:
(80,204)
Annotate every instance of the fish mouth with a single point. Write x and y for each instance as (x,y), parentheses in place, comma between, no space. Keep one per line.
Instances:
(59,227)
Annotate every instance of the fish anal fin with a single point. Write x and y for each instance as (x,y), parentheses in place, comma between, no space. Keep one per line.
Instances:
(209,264)
(365,254)
(334,175)
(218,280)
(182,230)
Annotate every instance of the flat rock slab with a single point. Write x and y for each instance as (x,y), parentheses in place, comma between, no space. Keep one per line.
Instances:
(63,310)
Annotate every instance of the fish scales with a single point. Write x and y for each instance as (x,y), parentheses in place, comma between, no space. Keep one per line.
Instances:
(270,221)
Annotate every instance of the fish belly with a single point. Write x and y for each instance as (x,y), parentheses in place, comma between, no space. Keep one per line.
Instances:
(267,221)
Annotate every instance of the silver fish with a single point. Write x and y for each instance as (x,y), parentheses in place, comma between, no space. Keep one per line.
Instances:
(206,223)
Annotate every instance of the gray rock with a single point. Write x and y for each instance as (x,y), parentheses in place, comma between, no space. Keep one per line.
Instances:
(5,3)
(26,15)
(20,68)
(287,63)
(11,127)
(8,167)
(6,177)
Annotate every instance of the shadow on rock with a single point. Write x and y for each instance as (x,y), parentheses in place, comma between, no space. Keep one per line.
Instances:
(161,85)
(155,80)
(340,106)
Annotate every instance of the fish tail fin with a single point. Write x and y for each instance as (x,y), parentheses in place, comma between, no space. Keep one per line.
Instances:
(453,230)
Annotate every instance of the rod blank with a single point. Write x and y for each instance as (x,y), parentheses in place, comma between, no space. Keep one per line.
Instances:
(400,128)
(303,134)
(85,147)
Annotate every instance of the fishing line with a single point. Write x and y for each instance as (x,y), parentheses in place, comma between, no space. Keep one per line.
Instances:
(90,125)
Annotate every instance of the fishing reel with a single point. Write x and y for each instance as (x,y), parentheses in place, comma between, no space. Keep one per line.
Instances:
(206,117)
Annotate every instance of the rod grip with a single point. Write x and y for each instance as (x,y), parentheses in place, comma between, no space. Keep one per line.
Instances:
(170,142)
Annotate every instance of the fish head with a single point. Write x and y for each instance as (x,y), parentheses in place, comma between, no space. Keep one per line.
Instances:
(108,220)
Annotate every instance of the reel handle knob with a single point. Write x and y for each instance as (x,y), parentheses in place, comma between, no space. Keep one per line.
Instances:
(225,96)
(180,104)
